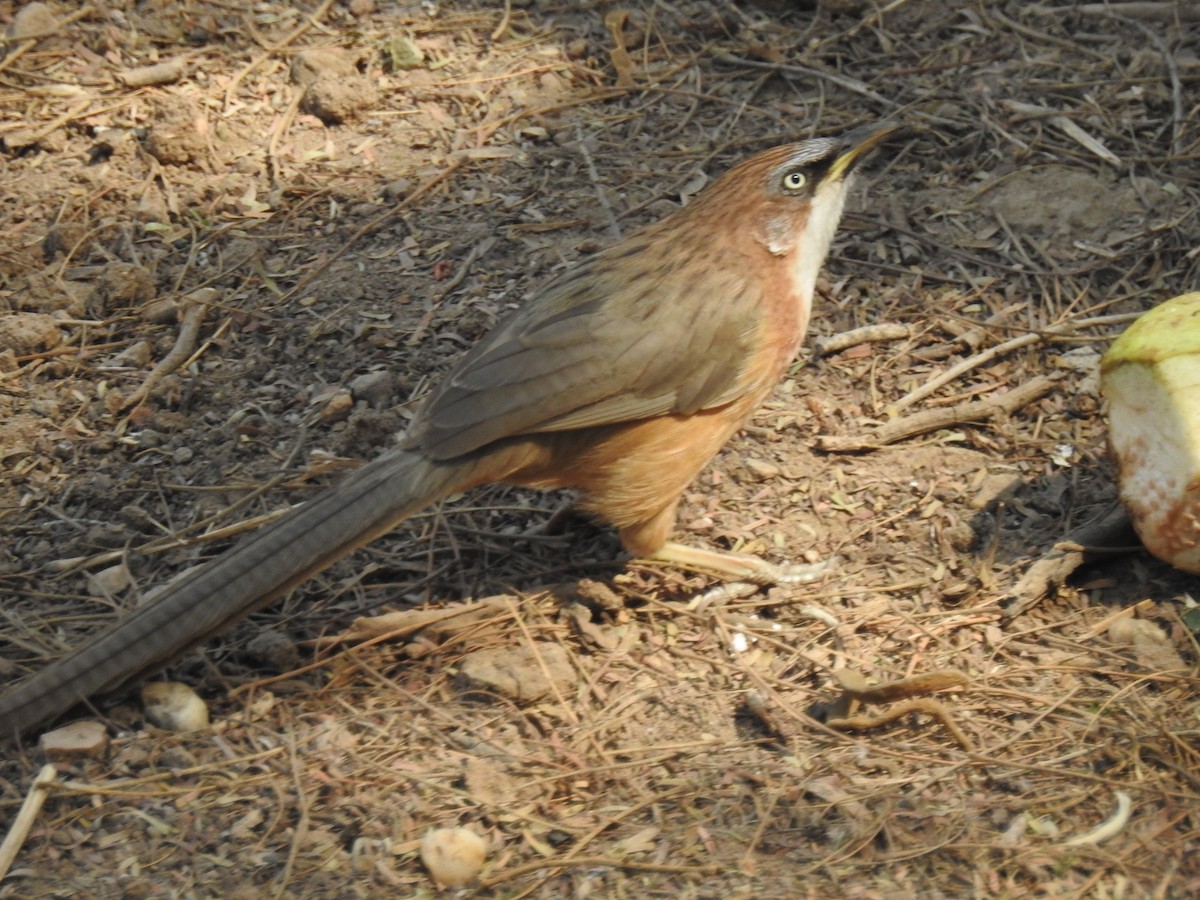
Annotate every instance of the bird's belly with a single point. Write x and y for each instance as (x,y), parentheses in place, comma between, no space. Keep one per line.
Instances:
(630,472)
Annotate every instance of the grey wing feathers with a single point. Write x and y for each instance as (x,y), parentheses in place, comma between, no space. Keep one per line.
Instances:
(575,358)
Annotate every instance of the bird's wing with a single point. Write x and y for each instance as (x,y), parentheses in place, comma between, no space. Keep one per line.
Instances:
(601,345)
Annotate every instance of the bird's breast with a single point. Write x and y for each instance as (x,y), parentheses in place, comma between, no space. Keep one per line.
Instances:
(783,328)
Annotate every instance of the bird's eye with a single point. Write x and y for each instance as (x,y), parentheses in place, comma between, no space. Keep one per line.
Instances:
(794,181)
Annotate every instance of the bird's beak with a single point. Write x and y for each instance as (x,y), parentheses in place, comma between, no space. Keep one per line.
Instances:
(858,143)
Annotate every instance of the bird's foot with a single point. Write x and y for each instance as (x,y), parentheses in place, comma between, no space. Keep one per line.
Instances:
(741,566)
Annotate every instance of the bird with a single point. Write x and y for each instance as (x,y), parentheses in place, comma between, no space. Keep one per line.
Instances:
(620,378)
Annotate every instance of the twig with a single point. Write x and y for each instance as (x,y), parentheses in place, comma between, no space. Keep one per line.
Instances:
(478,249)
(1142,607)
(1066,125)
(1168,11)
(1176,84)
(180,539)
(302,820)
(194,307)
(15,839)
(1112,530)
(934,419)
(621,60)
(851,84)
(991,353)
(571,862)
(941,712)
(873,19)
(368,630)
(1042,35)
(498,31)
(456,162)
(594,177)
(883,331)
(28,41)
(1110,828)
(78,111)
(463,269)
(280,128)
(159,73)
(312,20)
(967,338)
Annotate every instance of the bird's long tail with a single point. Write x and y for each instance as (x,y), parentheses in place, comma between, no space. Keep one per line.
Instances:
(263,566)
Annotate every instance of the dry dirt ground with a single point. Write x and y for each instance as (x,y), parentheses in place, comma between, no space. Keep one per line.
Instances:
(226,280)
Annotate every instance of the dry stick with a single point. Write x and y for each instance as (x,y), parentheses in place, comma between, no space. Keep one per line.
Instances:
(477,250)
(1017,246)
(972,362)
(369,638)
(318,13)
(1109,828)
(966,338)
(159,73)
(498,31)
(851,84)
(27,41)
(873,19)
(934,419)
(1176,86)
(1166,12)
(1064,124)
(77,111)
(281,127)
(456,163)
(177,540)
(23,823)
(484,131)
(1113,529)
(1042,36)
(1141,609)
(189,333)
(571,862)
(514,610)
(303,819)
(368,630)
(618,54)
(568,860)
(594,177)
(988,355)
(883,331)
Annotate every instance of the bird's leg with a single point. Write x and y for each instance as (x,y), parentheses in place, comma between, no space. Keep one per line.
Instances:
(560,519)
(648,540)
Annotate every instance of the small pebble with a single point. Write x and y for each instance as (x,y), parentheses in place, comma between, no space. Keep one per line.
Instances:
(376,388)
(337,407)
(453,856)
(1134,631)
(174,706)
(87,738)
(108,582)
(33,19)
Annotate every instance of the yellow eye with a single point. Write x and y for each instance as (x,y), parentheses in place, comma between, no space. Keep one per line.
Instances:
(794,181)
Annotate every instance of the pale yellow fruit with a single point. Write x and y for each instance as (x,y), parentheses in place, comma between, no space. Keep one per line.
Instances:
(1150,377)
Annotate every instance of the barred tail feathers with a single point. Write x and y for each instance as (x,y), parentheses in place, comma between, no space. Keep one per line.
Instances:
(262,567)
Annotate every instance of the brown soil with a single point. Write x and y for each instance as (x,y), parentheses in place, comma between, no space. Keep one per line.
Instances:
(336,218)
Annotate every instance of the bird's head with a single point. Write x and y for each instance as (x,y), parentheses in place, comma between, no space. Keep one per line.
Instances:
(789,199)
